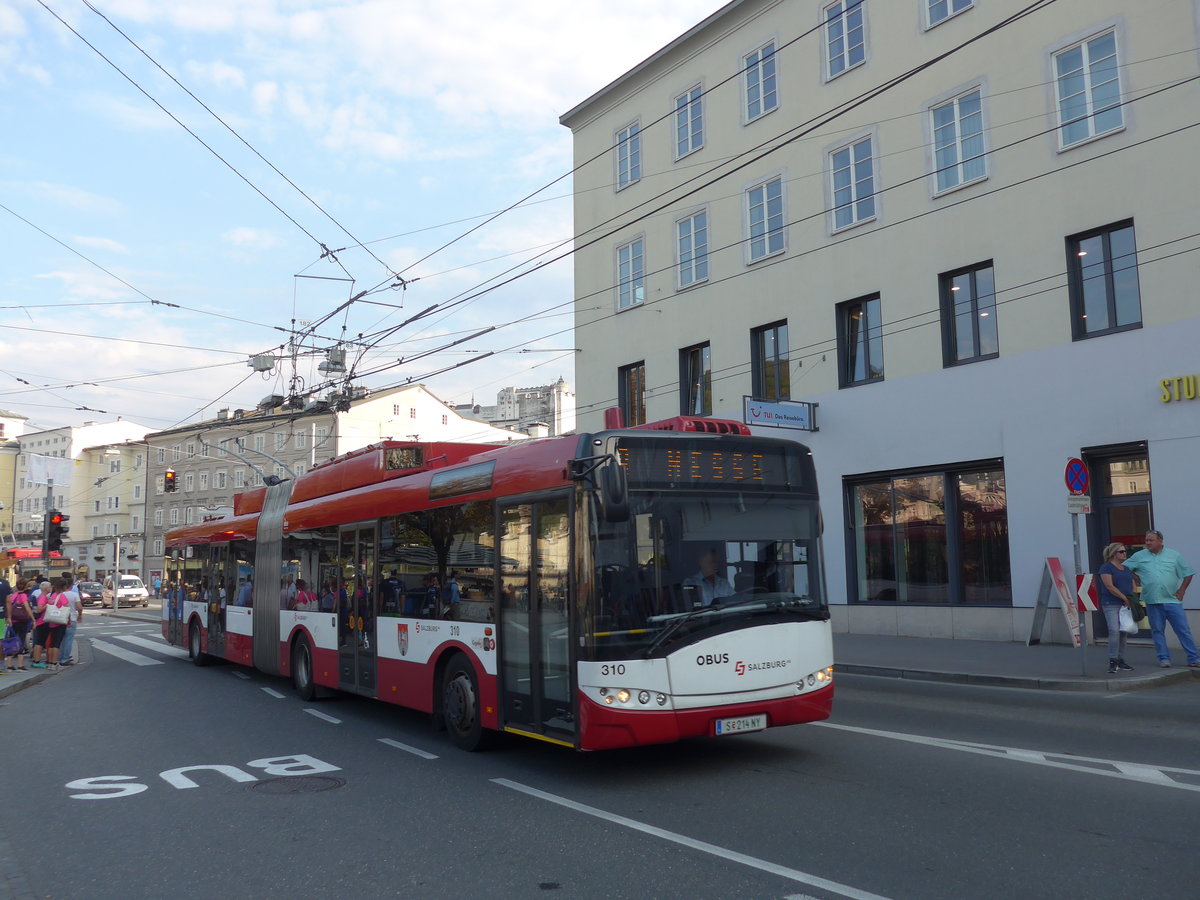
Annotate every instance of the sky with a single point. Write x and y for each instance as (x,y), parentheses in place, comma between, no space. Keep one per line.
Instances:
(143,268)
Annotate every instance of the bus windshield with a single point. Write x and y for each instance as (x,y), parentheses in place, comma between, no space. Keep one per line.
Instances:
(689,565)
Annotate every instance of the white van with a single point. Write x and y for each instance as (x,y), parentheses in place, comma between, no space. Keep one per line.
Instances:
(130,592)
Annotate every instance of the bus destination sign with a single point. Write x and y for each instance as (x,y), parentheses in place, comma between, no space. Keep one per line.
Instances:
(659,463)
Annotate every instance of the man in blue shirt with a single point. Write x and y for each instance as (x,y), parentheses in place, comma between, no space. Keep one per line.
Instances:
(1165,576)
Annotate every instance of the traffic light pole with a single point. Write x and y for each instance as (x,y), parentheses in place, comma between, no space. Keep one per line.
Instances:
(46,521)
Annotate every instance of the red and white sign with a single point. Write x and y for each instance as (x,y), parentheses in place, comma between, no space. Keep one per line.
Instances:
(1066,596)
(1086,593)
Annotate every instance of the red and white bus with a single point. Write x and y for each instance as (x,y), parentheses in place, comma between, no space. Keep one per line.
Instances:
(624,587)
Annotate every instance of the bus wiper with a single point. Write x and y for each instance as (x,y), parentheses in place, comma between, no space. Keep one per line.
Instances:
(675,625)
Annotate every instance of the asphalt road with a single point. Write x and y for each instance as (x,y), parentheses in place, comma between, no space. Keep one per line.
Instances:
(911,792)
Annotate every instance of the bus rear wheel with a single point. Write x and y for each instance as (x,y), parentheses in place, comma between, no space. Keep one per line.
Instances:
(199,657)
(302,670)
(460,705)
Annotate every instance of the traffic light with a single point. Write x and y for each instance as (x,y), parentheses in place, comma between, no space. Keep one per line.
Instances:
(169,481)
(56,529)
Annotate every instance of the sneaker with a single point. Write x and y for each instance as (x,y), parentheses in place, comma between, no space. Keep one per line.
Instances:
(1124,666)
(39,665)
(67,662)
(1112,667)
(1164,664)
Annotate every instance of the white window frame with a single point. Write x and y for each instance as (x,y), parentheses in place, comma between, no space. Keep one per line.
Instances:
(694,270)
(158,547)
(239,478)
(189,483)
(753,201)
(956,97)
(631,290)
(158,518)
(855,199)
(627,145)
(302,436)
(280,440)
(754,75)
(689,119)
(260,442)
(173,516)
(953,8)
(1084,43)
(846,9)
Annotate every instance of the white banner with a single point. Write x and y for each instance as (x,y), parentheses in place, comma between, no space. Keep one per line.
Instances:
(41,469)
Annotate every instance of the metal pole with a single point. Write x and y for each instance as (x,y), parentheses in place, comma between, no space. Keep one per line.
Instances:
(116,574)
(1075,599)
(46,523)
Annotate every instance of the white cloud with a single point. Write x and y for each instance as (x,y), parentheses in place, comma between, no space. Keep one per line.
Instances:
(217,73)
(76,198)
(100,243)
(252,238)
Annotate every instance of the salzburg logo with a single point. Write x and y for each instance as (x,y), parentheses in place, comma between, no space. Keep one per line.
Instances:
(739,667)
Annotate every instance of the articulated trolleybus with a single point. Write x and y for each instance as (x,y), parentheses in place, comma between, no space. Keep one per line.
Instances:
(630,586)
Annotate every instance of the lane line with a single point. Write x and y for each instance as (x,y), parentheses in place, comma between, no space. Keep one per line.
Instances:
(159,646)
(1106,768)
(121,653)
(274,693)
(415,751)
(321,715)
(816,881)
(241,675)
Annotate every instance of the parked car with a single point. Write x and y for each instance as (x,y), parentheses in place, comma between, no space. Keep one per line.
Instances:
(130,592)
(90,592)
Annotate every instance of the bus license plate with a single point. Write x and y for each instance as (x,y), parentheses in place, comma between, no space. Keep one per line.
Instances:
(741,724)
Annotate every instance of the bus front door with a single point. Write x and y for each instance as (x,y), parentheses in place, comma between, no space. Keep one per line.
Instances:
(356,611)
(536,677)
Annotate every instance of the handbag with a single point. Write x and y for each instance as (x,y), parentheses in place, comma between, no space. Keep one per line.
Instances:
(1137,609)
(11,645)
(60,613)
(1125,619)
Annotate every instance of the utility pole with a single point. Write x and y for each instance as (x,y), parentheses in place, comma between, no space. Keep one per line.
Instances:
(46,522)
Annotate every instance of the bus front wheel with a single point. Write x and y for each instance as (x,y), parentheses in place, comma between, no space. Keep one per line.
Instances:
(199,657)
(302,670)
(460,705)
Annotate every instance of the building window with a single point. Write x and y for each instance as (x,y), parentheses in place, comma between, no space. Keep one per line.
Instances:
(1088,87)
(204,481)
(189,482)
(260,442)
(629,155)
(689,122)
(280,441)
(764,213)
(302,436)
(135,524)
(769,362)
(323,434)
(239,478)
(300,468)
(174,517)
(941,10)
(958,152)
(761,94)
(446,420)
(162,455)
(845,35)
(1104,281)
(137,492)
(695,381)
(189,515)
(692,246)
(969,330)
(96,506)
(631,393)
(176,453)
(158,518)
(860,342)
(631,274)
(191,450)
(114,466)
(852,171)
(933,537)
(220,479)
(158,547)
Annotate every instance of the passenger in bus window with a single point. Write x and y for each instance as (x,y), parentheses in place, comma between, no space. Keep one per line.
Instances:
(246,594)
(328,594)
(709,583)
(431,589)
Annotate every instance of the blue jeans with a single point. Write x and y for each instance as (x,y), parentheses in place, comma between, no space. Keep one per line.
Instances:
(68,642)
(1116,637)
(1159,615)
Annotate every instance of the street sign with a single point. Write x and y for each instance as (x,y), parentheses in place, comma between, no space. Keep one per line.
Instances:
(1077,477)
(1087,593)
(1079,504)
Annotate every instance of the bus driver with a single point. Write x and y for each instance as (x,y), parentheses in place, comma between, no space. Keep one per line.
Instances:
(710,584)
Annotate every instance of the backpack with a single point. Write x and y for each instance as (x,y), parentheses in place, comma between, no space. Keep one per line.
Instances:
(20,608)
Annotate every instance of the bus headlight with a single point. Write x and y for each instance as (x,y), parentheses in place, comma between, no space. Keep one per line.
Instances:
(662,699)
(643,697)
(825,674)
(623,695)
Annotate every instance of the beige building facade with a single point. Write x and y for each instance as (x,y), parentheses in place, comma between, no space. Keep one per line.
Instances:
(963,231)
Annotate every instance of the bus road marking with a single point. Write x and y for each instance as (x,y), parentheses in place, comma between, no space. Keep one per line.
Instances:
(241,675)
(1108,768)
(274,693)
(816,881)
(321,715)
(408,749)
(128,655)
(159,646)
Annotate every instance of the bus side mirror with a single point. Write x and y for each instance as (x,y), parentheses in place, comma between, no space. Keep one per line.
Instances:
(613,491)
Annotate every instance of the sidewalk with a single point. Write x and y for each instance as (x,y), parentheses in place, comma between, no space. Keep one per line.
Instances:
(1003,664)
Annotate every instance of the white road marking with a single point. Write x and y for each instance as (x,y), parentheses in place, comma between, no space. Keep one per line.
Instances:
(159,646)
(816,881)
(128,655)
(321,715)
(241,675)
(408,749)
(1108,768)
(274,693)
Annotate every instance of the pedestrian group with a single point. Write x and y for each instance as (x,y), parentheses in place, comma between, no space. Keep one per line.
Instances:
(50,610)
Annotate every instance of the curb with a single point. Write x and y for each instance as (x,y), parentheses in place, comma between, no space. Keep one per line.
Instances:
(1026,682)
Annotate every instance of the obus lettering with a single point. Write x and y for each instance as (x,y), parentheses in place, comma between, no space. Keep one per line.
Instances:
(110,787)
(712,659)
